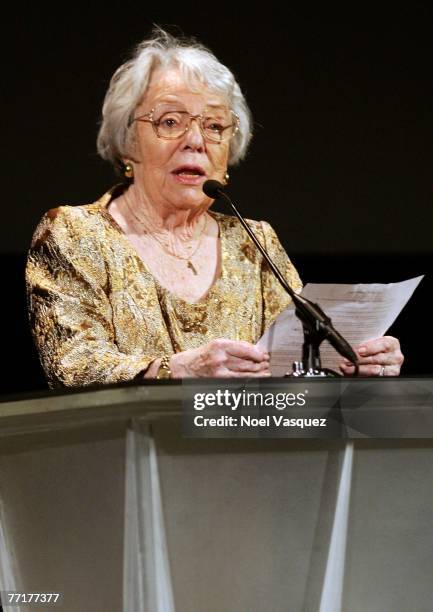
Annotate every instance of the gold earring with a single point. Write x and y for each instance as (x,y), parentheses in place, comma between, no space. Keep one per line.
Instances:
(226,178)
(128,170)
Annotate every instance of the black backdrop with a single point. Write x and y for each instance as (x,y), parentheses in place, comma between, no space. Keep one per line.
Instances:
(340,163)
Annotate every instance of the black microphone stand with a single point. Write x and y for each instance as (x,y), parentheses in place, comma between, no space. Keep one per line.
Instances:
(316,325)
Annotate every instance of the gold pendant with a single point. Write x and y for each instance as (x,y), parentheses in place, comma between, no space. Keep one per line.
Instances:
(191,267)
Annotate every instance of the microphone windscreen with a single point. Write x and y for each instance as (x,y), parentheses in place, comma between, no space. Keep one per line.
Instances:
(213,188)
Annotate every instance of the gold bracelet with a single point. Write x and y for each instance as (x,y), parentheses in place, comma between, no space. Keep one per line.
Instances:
(164,371)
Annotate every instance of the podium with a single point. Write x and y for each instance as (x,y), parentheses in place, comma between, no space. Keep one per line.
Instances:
(103,501)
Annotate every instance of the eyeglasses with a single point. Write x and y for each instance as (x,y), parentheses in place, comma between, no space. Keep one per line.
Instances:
(217,124)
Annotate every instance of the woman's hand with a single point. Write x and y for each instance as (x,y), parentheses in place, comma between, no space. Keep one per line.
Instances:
(221,359)
(378,357)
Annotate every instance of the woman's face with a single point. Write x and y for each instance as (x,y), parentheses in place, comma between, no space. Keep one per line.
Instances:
(172,172)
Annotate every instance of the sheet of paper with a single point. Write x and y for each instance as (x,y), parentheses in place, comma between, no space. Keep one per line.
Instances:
(359,312)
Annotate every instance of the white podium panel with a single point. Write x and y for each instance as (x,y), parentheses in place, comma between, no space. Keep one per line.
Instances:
(63,503)
(247,522)
(390,538)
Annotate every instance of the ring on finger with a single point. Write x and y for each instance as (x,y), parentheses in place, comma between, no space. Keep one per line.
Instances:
(382,370)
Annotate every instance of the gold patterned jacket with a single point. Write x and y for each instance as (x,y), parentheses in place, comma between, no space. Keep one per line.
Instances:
(99,316)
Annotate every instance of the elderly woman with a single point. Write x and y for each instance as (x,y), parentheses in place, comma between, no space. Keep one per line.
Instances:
(147,281)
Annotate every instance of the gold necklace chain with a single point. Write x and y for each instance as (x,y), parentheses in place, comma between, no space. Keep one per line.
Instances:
(168,244)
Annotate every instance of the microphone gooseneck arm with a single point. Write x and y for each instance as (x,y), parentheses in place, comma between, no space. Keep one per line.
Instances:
(316,323)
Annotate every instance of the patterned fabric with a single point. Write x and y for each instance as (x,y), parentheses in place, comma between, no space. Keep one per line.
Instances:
(99,316)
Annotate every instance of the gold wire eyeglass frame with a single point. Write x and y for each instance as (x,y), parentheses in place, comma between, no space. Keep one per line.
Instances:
(148,118)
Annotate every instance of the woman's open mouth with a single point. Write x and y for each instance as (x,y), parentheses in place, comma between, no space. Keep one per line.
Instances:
(189,174)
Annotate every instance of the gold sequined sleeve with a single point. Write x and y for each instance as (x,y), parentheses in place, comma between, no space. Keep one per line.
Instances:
(70,313)
(275,299)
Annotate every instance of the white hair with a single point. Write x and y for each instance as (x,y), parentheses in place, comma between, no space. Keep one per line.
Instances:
(129,84)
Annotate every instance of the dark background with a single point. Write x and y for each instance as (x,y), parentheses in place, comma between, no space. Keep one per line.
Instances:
(340,163)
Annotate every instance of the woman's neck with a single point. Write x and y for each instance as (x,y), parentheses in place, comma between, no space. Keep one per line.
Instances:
(136,208)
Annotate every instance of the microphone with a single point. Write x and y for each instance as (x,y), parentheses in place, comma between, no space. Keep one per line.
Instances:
(311,315)
(213,189)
